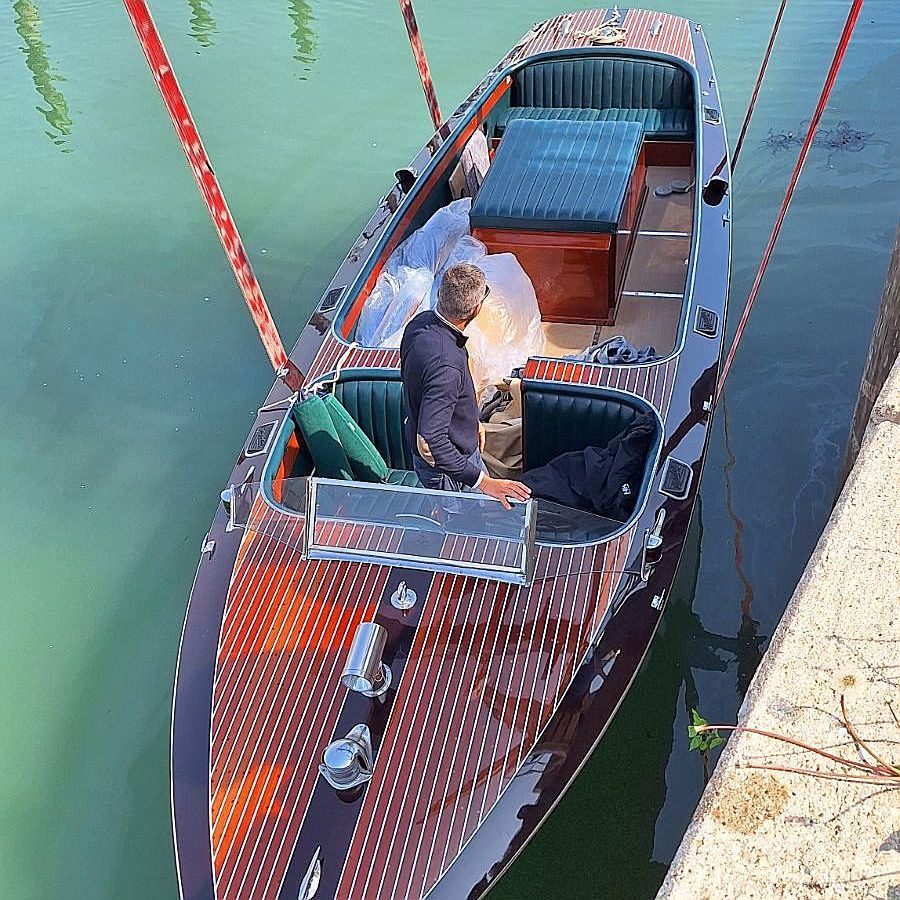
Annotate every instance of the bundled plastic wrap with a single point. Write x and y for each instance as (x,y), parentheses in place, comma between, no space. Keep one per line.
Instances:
(400,295)
(404,286)
(508,328)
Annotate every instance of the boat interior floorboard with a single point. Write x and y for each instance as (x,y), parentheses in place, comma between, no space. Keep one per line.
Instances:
(564,339)
(649,309)
(645,322)
(674,212)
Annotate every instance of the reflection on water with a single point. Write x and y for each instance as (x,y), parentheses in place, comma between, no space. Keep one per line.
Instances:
(303,35)
(748,658)
(56,112)
(203,25)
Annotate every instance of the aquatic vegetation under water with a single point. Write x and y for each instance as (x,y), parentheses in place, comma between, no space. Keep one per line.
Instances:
(842,138)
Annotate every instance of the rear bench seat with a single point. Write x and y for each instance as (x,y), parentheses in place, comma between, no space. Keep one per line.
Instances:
(659,95)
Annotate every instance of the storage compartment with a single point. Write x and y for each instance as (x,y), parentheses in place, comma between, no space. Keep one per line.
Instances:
(564,196)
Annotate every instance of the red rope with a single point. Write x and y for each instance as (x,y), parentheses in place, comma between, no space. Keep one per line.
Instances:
(759,81)
(795,176)
(212,194)
(415,39)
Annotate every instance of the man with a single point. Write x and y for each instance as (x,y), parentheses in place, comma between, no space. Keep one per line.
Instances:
(442,427)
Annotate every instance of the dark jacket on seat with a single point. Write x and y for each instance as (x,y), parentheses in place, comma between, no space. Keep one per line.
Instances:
(601,480)
(440,396)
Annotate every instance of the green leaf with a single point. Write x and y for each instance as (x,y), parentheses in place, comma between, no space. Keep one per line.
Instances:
(700,735)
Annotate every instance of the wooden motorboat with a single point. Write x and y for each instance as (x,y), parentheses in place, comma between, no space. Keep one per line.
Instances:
(383,691)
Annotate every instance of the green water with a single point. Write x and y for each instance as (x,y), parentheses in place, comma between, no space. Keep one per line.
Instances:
(130,373)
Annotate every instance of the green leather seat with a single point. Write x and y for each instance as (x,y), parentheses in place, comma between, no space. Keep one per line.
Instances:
(559,176)
(659,95)
(375,402)
(659,124)
(562,419)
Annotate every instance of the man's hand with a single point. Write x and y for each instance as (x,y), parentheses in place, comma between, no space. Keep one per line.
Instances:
(501,488)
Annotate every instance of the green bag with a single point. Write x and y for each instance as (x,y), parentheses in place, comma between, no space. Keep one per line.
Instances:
(321,439)
(365,460)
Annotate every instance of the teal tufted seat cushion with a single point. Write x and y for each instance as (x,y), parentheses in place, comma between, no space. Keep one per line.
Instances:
(551,175)
(560,419)
(659,124)
(603,82)
(600,87)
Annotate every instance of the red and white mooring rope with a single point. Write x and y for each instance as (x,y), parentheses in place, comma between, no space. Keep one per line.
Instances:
(830,79)
(159,63)
(415,39)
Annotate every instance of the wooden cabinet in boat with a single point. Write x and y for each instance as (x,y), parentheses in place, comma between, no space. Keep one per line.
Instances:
(577,276)
(564,197)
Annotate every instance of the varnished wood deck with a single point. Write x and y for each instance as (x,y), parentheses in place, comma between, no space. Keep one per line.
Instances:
(489,663)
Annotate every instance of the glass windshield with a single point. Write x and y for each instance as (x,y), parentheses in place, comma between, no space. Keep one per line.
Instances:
(414,527)
(418,528)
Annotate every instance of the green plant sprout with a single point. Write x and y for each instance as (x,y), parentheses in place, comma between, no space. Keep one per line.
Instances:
(703,737)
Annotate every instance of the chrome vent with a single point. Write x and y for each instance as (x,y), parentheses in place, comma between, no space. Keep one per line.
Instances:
(707,322)
(347,763)
(332,298)
(364,671)
(676,479)
(260,439)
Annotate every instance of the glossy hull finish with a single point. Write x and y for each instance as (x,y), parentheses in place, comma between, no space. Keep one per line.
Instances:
(499,692)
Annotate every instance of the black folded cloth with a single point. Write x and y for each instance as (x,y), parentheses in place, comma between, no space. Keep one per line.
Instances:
(601,480)
(615,352)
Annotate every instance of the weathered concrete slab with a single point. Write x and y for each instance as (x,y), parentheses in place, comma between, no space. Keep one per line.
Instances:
(762,834)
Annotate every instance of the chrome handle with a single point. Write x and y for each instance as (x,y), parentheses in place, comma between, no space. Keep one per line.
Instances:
(652,550)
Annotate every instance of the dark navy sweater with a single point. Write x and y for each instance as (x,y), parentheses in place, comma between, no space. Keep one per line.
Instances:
(439,395)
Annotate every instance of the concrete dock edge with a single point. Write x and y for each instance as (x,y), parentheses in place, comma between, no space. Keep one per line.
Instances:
(760,833)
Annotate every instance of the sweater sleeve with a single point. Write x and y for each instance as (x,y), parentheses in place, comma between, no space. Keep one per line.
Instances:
(440,391)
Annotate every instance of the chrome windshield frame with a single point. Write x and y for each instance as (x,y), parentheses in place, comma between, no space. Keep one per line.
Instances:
(519,575)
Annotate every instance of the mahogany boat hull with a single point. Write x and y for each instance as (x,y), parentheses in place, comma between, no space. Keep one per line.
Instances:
(500,693)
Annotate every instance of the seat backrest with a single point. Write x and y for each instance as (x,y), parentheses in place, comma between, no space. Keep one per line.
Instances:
(376,403)
(560,420)
(603,83)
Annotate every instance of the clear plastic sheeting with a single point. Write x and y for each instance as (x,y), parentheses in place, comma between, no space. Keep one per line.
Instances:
(404,286)
(508,329)
(401,295)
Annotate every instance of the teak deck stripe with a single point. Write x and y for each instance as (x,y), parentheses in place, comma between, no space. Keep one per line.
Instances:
(500,694)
